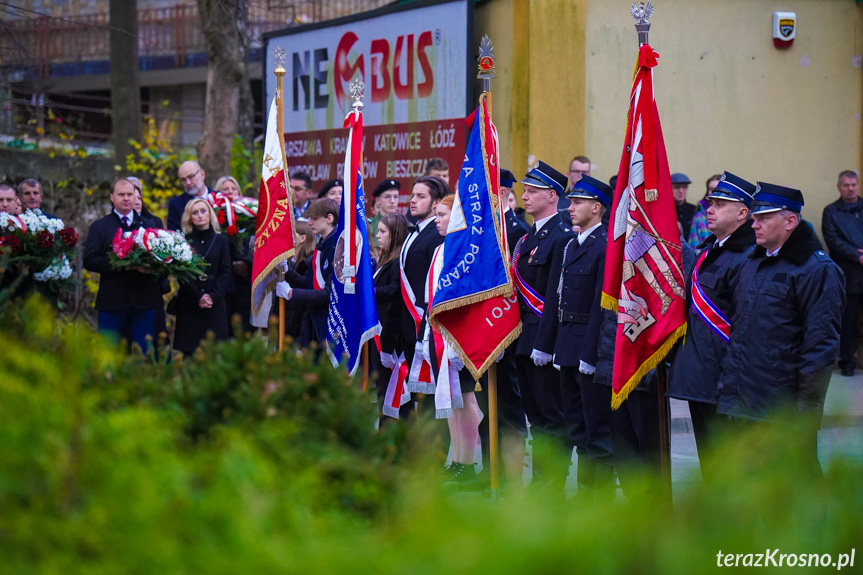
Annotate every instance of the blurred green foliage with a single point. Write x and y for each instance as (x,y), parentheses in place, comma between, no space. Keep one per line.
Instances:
(242,157)
(240,460)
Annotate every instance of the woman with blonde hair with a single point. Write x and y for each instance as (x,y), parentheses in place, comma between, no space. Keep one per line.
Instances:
(201,302)
(229,186)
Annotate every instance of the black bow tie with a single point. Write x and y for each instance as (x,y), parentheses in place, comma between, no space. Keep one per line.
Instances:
(412,228)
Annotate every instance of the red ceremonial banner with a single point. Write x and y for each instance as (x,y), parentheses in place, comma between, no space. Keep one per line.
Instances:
(644,279)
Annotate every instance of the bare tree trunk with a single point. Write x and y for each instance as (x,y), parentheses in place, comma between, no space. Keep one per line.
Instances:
(125,88)
(226,36)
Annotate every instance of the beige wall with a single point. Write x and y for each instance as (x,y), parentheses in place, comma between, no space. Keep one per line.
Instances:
(727,98)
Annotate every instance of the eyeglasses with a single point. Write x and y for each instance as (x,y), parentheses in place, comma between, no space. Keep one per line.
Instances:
(189,178)
(578,172)
(299,188)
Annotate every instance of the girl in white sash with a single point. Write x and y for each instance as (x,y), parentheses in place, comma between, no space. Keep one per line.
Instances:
(454,389)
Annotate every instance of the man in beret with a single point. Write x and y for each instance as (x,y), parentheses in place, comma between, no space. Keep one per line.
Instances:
(532,267)
(685,211)
(784,337)
(386,201)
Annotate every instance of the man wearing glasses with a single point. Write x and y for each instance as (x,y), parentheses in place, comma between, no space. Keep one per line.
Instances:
(301,191)
(192,179)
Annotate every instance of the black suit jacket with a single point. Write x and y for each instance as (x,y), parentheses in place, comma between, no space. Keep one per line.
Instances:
(536,271)
(576,310)
(514,228)
(417,262)
(388,295)
(118,290)
(317,301)
(176,206)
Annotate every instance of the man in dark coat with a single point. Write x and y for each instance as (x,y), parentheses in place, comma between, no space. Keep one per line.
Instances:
(573,303)
(785,329)
(538,381)
(415,261)
(842,228)
(124,297)
(685,211)
(191,176)
(696,365)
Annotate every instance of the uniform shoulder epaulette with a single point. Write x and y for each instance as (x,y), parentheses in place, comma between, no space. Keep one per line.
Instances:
(822,256)
(565,228)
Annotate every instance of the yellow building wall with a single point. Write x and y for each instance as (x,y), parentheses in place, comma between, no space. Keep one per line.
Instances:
(727,98)
(539,90)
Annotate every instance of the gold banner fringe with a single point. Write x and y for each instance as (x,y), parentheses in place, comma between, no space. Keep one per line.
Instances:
(608,302)
(257,281)
(476,372)
(501,290)
(651,362)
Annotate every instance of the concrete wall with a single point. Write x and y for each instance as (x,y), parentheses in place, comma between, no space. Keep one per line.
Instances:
(728,99)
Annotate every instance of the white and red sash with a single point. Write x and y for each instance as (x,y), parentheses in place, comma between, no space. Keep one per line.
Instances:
(528,295)
(408,295)
(397,395)
(317,273)
(421,379)
(706,309)
(447,391)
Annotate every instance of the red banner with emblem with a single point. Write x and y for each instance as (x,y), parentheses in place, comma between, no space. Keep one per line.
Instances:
(644,279)
(274,229)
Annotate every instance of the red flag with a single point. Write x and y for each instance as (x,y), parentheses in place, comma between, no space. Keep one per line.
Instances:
(644,279)
(274,235)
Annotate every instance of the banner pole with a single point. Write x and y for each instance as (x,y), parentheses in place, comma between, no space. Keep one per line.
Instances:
(486,73)
(280,124)
(642,15)
(365,367)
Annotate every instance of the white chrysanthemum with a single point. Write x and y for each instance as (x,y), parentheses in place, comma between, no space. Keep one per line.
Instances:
(59,270)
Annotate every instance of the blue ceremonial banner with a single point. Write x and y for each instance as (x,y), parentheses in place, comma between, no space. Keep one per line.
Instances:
(474,307)
(353,315)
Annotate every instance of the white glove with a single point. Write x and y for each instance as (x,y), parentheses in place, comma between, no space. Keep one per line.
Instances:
(499,357)
(540,358)
(454,359)
(388,360)
(422,347)
(283,290)
(586,368)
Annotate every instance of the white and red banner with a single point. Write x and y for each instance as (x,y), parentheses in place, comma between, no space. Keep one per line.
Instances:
(274,235)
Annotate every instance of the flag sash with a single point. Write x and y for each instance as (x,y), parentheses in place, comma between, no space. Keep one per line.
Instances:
(397,395)
(529,296)
(706,309)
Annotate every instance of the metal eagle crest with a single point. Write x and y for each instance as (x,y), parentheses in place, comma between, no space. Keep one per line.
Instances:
(642,13)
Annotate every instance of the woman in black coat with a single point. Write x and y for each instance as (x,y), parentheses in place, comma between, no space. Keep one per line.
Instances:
(201,304)
(392,233)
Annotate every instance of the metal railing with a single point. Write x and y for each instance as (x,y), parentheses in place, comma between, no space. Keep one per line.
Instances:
(44,40)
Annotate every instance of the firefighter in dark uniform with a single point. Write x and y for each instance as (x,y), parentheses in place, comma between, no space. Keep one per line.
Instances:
(573,303)
(696,365)
(538,381)
(784,340)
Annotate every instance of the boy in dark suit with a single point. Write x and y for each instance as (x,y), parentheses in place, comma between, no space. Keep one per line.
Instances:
(573,303)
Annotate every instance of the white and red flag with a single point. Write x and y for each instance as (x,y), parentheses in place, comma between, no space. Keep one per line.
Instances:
(274,229)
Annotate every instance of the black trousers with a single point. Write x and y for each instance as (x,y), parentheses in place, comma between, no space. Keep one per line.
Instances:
(849,336)
(540,395)
(587,413)
(635,439)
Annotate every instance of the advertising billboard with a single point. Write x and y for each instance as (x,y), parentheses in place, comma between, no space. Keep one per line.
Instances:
(413,59)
